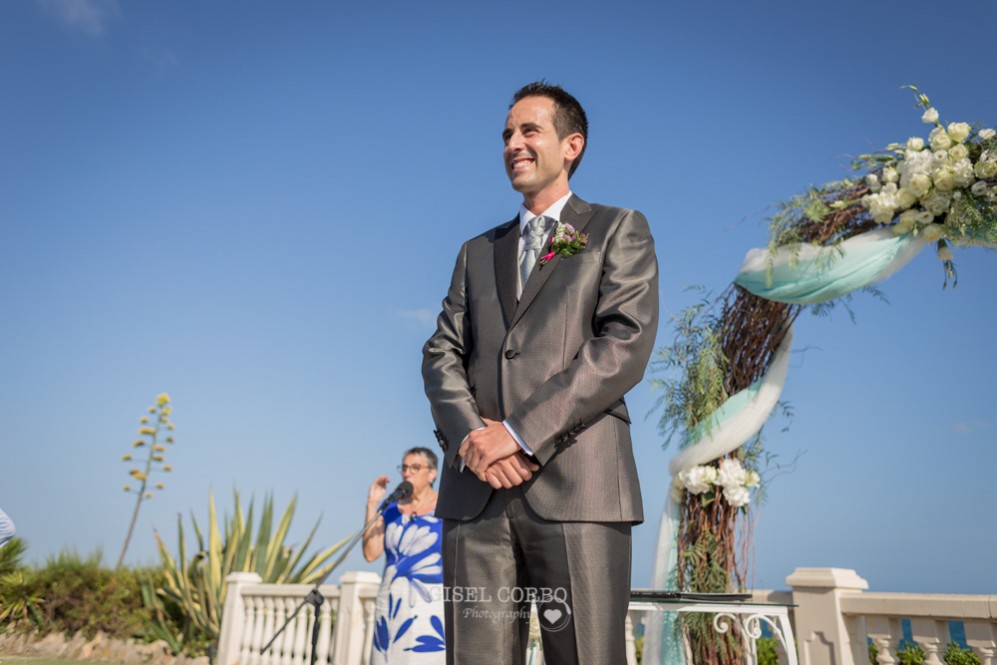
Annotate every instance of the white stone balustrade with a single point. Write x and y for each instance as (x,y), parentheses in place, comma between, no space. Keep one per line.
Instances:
(929,614)
(833,619)
(254,611)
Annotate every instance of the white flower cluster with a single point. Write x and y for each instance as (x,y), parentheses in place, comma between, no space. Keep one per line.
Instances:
(731,476)
(927,178)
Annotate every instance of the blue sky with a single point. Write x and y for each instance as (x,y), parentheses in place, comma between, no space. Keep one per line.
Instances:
(255,207)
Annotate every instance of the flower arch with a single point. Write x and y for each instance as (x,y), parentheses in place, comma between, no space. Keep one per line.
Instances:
(730,355)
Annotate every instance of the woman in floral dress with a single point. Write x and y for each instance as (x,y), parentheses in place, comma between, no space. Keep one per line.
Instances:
(408,623)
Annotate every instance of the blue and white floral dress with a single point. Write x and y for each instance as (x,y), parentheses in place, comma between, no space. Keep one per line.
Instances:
(408,622)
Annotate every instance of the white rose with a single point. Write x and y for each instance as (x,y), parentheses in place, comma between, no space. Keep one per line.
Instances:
(905,198)
(958,152)
(915,163)
(730,473)
(699,479)
(930,116)
(944,180)
(915,143)
(890,174)
(872,180)
(737,496)
(963,170)
(939,139)
(925,217)
(936,202)
(919,184)
(752,479)
(979,188)
(906,223)
(985,170)
(881,206)
(958,131)
(944,253)
(933,232)
(987,134)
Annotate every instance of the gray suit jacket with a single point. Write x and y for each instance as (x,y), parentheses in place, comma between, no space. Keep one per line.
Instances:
(555,365)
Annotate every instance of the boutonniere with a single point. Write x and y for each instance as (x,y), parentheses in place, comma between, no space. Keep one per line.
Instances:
(565,240)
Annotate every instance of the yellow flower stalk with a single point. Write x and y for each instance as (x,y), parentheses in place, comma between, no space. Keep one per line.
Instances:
(158,419)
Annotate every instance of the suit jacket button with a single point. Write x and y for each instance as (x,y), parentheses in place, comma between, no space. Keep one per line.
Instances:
(510,354)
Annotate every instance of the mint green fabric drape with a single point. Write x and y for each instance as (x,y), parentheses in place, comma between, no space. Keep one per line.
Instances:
(807,275)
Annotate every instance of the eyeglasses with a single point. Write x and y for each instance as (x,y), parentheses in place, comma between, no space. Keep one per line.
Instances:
(414,468)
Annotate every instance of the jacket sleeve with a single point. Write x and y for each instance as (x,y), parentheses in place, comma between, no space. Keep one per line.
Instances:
(444,367)
(611,362)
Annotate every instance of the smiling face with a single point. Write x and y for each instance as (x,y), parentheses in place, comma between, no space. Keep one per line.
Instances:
(536,159)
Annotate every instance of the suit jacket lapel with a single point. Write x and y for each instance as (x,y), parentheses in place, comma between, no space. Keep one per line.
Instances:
(506,267)
(577,213)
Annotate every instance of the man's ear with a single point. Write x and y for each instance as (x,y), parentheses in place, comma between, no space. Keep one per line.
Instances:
(573,145)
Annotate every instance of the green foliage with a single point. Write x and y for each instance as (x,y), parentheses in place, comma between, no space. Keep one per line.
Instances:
(19,602)
(956,655)
(188,605)
(696,368)
(11,554)
(70,594)
(911,654)
(768,652)
(81,595)
(707,573)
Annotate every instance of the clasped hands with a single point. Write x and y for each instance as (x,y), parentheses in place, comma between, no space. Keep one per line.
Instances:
(495,457)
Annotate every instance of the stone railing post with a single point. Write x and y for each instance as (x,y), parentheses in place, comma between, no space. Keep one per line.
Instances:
(233,617)
(350,627)
(825,635)
(982,638)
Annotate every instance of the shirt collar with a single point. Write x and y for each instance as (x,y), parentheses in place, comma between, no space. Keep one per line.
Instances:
(554,212)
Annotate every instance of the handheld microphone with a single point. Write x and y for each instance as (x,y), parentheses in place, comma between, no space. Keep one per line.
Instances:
(402,492)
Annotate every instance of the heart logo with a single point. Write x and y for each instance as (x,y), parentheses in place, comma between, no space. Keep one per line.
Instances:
(552,615)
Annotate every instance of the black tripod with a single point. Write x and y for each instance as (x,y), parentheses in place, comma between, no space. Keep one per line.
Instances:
(315,597)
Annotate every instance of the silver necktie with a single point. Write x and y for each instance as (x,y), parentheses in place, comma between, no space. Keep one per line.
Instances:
(536,231)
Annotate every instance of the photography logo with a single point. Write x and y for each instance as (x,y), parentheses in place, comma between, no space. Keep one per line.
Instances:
(554,615)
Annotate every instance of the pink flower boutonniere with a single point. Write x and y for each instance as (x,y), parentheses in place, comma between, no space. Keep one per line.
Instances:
(565,240)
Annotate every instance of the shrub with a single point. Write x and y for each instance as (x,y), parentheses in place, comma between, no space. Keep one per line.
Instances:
(79,594)
(187,605)
(911,654)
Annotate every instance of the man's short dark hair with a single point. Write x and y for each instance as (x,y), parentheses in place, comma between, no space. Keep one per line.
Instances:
(569,116)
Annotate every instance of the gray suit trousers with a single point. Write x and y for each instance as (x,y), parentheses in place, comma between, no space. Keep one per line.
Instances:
(495,565)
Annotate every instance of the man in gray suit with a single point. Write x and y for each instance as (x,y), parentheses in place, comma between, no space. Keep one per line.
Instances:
(538,341)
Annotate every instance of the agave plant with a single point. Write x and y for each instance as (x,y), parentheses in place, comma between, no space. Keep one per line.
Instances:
(196,585)
(19,600)
(11,555)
